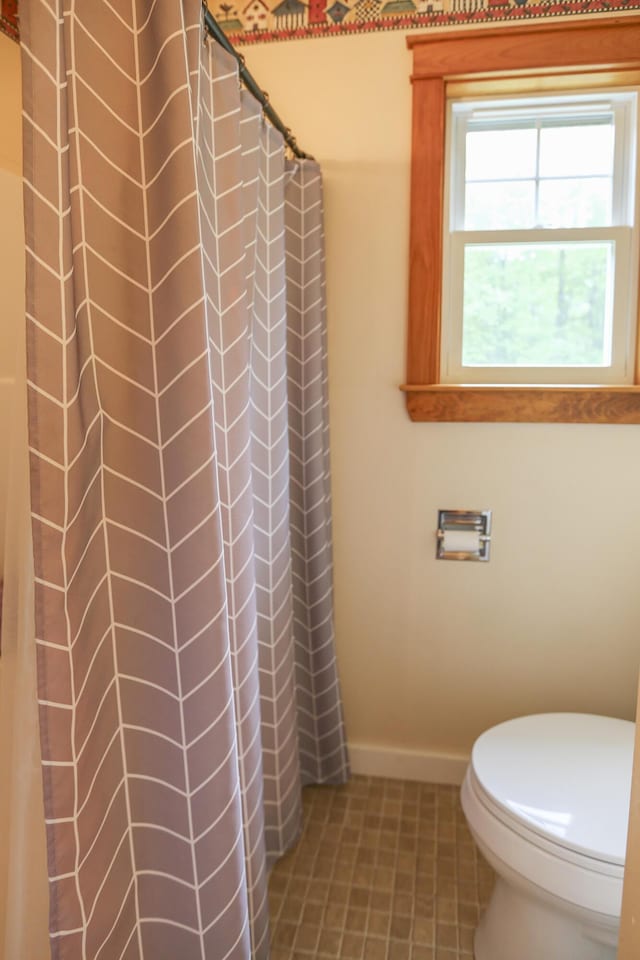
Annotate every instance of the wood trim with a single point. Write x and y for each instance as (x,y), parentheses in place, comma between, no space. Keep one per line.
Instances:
(636,372)
(553,25)
(425,232)
(448,403)
(539,83)
(629,943)
(599,44)
(606,43)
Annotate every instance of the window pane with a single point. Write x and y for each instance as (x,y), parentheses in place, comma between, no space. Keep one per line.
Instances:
(500,206)
(575,203)
(501,154)
(537,304)
(576,150)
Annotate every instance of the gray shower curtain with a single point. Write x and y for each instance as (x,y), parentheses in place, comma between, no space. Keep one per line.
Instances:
(179,483)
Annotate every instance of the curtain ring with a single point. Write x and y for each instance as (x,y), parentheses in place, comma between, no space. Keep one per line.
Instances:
(206,36)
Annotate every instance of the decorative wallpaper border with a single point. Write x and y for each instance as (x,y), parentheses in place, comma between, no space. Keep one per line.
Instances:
(9,18)
(258,21)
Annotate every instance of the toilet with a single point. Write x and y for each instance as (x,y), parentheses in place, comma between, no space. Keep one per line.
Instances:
(546,798)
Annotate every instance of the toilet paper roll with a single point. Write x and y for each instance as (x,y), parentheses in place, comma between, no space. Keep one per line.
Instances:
(461,541)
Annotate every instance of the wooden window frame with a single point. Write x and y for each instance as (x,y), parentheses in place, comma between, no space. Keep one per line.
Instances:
(531,56)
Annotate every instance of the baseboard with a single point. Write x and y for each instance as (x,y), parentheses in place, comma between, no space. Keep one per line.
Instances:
(395,764)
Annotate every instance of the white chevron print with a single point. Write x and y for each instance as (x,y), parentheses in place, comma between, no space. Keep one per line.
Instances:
(180,484)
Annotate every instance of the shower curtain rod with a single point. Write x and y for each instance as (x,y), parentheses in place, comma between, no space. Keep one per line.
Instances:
(215,30)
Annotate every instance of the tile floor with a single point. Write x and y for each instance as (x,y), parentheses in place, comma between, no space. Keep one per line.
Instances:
(384,870)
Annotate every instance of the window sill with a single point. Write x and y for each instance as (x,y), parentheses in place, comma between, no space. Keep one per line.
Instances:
(522,404)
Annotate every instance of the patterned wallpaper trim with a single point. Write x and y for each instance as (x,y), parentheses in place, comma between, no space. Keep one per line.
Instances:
(258,21)
(9,18)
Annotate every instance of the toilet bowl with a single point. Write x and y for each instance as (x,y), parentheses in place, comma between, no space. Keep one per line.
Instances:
(546,798)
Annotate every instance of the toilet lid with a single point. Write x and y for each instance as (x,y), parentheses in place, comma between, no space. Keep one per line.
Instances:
(564,776)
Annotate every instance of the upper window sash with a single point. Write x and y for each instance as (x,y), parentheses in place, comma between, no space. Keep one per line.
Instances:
(619,110)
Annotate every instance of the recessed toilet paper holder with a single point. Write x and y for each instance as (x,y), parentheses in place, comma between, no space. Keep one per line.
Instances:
(463,534)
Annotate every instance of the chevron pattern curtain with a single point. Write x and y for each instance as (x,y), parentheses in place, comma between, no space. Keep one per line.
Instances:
(176,352)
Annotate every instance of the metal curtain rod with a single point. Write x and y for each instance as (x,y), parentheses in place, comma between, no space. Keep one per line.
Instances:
(215,30)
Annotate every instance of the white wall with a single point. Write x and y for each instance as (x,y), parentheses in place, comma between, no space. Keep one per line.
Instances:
(11,313)
(433,652)
(11,324)
(11,250)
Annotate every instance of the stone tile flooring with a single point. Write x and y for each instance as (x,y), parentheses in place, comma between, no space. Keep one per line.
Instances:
(384,870)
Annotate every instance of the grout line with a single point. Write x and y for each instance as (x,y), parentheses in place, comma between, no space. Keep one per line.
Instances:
(416,835)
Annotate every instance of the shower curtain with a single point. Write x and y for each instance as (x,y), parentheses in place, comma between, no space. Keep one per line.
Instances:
(180,499)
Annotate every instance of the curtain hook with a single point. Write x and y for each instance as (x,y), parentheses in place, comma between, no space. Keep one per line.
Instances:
(206,36)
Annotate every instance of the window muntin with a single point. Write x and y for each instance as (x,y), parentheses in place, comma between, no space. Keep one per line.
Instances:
(556,174)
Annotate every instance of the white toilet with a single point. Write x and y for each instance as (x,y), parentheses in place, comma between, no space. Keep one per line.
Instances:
(547,801)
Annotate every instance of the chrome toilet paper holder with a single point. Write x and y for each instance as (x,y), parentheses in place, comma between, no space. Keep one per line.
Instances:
(463,535)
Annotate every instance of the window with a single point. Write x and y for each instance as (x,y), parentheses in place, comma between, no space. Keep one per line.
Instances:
(539,281)
(524,246)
